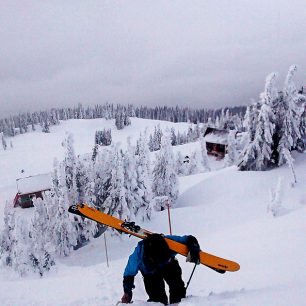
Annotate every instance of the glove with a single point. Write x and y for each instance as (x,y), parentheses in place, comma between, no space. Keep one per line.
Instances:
(128,286)
(194,250)
(193,257)
(127,298)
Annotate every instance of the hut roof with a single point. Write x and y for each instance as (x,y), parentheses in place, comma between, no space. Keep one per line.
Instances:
(34,183)
(213,135)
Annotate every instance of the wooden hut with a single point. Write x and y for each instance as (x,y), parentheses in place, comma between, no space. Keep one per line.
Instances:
(31,187)
(216,142)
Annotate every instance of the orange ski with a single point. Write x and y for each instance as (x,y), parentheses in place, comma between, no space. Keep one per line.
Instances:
(217,263)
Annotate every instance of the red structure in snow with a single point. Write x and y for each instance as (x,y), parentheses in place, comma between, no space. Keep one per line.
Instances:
(216,142)
(31,187)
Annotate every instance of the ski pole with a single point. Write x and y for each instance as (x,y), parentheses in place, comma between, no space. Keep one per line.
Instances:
(106,250)
(191,276)
(169,219)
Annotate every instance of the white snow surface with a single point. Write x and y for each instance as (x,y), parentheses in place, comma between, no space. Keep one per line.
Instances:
(225,209)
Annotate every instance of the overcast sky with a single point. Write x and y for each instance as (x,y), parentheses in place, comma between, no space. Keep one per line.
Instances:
(203,53)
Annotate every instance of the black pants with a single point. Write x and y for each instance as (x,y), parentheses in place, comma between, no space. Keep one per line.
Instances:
(155,285)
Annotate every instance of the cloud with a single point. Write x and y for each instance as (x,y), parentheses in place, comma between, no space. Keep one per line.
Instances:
(198,53)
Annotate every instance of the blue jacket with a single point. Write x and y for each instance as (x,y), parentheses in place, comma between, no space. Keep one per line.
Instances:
(136,263)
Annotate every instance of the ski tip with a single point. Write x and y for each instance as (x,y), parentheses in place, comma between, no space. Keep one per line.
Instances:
(75,209)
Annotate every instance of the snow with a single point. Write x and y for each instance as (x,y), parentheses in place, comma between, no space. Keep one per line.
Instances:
(217,136)
(225,209)
(34,183)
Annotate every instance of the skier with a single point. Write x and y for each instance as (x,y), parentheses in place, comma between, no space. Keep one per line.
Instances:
(157,264)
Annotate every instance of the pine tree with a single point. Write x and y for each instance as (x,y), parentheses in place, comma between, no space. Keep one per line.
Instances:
(157,138)
(41,241)
(21,261)
(4,144)
(132,196)
(204,156)
(119,119)
(289,115)
(70,162)
(143,178)
(65,232)
(70,166)
(290,162)
(46,126)
(94,152)
(291,97)
(115,203)
(180,167)
(81,180)
(193,165)
(257,155)
(165,181)
(7,239)
(275,206)
(231,155)
(102,174)
(173,137)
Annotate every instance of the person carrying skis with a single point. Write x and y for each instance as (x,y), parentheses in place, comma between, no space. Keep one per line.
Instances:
(157,263)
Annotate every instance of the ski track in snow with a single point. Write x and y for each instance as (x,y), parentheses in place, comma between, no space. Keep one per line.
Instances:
(225,209)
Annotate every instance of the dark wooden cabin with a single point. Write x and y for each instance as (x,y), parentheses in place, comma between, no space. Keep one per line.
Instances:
(31,187)
(216,142)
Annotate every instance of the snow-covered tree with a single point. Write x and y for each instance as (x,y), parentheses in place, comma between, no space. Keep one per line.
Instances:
(65,233)
(276,197)
(21,260)
(257,155)
(82,180)
(102,178)
(204,156)
(194,163)
(265,125)
(155,139)
(132,196)
(249,155)
(231,155)
(143,171)
(289,118)
(160,203)
(104,137)
(291,97)
(115,203)
(250,120)
(41,239)
(72,189)
(6,238)
(180,167)
(70,162)
(121,118)
(289,160)
(3,141)
(173,137)
(46,126)
(165,182)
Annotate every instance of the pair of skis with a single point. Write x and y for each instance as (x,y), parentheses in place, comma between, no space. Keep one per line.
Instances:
(216,263)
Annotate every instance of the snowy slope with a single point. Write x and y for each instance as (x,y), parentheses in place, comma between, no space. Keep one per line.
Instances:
(34,152)
(226,210)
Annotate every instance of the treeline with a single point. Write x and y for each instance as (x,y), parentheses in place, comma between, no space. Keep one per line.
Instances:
(26,122)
